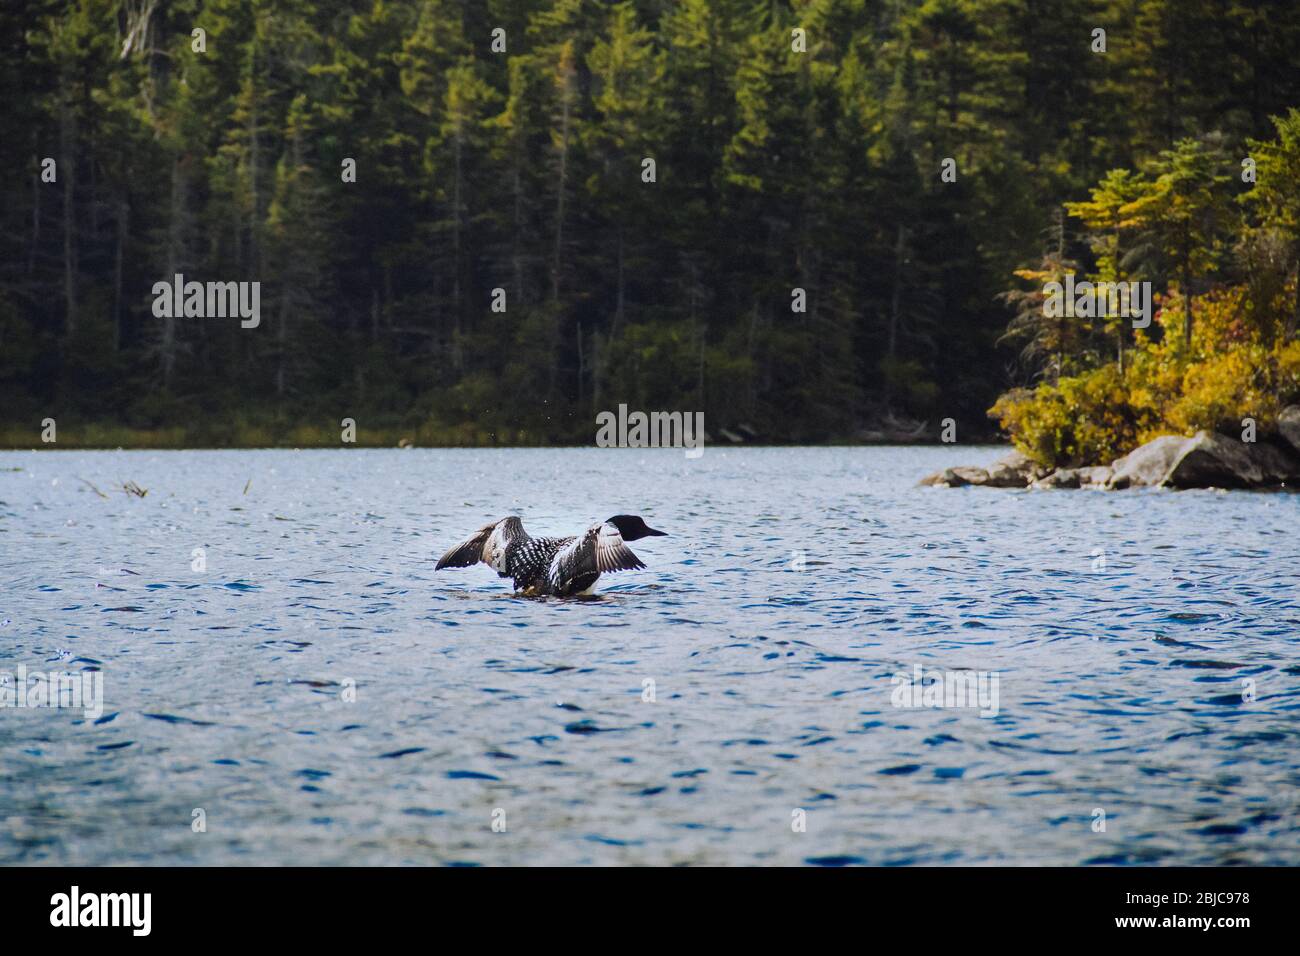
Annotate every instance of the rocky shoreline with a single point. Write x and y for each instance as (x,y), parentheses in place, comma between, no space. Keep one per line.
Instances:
(1206,460)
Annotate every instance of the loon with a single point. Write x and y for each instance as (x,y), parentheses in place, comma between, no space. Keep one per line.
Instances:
(552,566)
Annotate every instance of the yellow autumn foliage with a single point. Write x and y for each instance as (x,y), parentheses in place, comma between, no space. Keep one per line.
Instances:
(1240,364)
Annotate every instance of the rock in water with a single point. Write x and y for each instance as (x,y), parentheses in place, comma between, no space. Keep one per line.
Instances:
(1212,461)
(1148,464)
(1207,460)
(1015,470)
(1088,477)
(1096,476)
(1288,426)
(956,477)
(1061,478)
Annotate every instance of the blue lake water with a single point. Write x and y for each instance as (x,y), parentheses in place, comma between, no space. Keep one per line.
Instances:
(1146,646)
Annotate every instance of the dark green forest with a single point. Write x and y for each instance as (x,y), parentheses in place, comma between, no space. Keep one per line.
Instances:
(782,160)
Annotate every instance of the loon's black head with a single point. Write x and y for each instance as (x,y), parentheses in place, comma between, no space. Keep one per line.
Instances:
(633,527)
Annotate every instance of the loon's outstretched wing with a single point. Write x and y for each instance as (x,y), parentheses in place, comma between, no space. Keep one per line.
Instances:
(600,550)
(487,544)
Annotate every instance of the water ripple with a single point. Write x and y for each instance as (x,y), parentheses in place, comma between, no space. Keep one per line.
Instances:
(325,697)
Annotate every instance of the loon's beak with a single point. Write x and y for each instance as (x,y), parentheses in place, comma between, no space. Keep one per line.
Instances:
(651,531)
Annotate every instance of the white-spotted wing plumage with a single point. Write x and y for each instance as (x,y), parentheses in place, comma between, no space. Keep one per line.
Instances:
(599,550)
(529,560)
(559,566)
(489,544)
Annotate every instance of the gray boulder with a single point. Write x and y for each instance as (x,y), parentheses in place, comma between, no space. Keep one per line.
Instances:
(1279,464)
(1096,476)
(1014,470)
(1147,464)
(1288,426)
(1091,477)
(1211,461)
(1206,460)
(956,477)
(1061,478)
